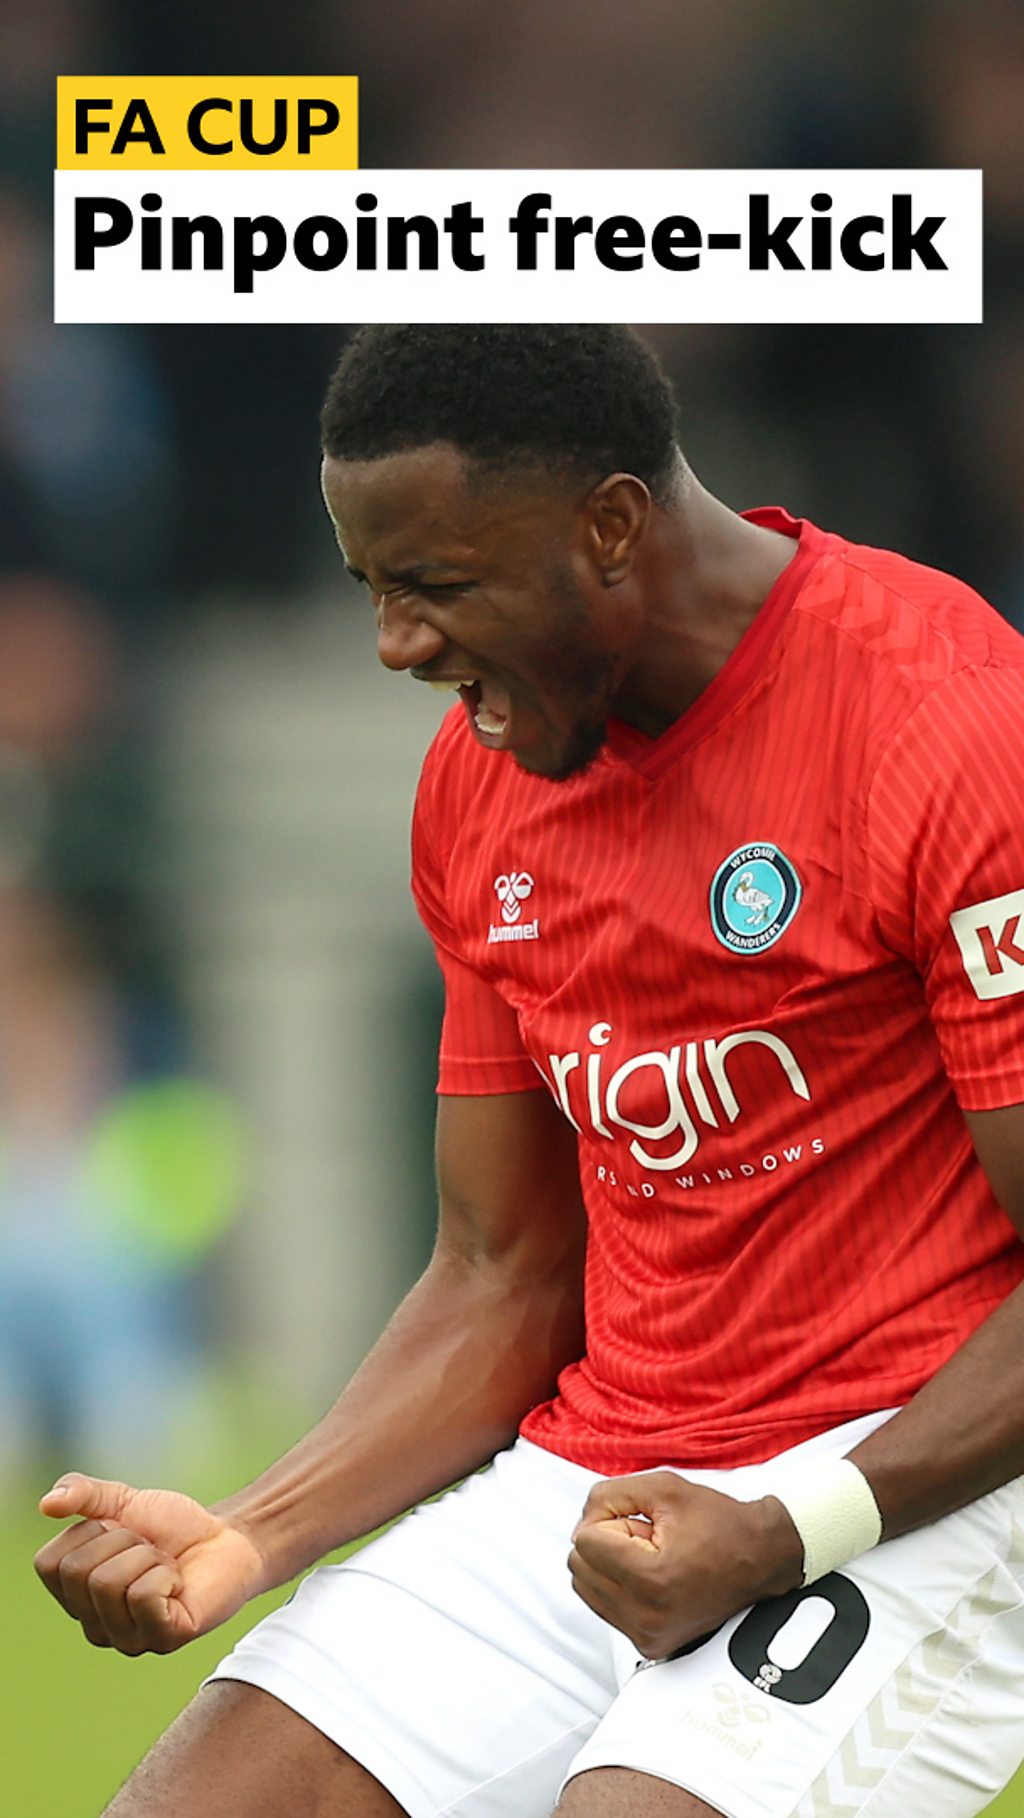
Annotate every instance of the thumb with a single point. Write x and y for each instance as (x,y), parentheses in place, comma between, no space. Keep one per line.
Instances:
(75,1494)
(619,1538)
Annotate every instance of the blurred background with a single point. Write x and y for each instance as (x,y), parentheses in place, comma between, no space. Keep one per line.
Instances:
(217,1012)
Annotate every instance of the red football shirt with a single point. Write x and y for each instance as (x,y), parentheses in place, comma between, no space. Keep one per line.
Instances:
(758,961)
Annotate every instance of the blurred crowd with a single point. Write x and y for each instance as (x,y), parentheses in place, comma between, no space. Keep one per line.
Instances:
(159,527)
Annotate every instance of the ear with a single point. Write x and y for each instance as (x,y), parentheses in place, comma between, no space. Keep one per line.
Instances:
(618,511)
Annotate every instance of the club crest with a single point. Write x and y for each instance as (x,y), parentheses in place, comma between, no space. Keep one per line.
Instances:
(755,894)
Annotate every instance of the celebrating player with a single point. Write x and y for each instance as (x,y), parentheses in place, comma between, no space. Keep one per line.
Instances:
(721,855)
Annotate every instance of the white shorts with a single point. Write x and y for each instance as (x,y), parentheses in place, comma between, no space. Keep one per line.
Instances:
(452,1658)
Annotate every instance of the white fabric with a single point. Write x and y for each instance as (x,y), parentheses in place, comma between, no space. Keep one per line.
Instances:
(452,1658)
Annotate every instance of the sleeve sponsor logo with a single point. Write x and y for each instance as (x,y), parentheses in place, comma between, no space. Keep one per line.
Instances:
(990,936)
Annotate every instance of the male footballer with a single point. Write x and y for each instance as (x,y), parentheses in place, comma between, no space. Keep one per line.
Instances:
(721,852)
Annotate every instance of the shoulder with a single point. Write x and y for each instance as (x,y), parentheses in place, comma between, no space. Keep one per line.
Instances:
(900,649)
(913,624)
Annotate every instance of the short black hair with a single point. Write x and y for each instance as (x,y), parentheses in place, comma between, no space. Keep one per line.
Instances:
(581,400)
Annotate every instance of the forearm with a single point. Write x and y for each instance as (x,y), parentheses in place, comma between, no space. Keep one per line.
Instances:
(960,1436)
(462,1360)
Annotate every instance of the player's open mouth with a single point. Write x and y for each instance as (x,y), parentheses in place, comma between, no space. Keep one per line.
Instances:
(487,707)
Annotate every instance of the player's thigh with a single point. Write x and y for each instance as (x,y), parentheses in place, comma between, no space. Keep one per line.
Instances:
(621,1793)
(236,1749)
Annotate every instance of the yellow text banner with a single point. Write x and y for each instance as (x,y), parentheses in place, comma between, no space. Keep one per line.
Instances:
(154,123)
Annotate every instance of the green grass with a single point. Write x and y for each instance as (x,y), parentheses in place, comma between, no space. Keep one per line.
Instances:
(75,1719)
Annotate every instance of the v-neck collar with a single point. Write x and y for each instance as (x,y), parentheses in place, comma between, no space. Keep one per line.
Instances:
(652,756)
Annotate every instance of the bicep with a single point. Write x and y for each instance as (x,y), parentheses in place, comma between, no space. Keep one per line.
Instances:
(998,1138)
(509,1184)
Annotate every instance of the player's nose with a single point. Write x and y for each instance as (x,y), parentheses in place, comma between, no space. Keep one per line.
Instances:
(404,640)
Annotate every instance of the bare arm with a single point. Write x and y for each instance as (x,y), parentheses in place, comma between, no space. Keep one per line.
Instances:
(480,1339)
(962,1434)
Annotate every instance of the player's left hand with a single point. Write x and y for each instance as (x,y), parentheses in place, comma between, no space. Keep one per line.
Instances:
(668,1561)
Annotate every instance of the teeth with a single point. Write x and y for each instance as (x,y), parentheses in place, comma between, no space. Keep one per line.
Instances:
(486,721)
(443,687)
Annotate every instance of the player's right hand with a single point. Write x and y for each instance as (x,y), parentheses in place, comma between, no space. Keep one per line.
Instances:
(147,1570)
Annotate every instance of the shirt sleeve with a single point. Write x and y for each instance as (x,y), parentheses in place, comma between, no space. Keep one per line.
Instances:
(945,852)
(481,1049)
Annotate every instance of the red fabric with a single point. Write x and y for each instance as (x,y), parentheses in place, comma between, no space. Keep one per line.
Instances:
(788,1226)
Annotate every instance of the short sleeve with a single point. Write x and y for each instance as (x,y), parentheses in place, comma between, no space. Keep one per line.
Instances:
(481,1049)
(945,852)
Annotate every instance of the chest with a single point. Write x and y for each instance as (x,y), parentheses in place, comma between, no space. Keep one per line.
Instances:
(702,901)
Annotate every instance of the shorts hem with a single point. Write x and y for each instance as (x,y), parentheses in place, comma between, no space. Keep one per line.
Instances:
(352,1739)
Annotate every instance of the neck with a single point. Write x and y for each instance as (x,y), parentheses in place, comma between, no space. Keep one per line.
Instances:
(706,572)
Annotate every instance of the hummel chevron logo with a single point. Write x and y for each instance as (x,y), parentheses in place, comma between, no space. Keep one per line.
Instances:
(511,889)
(736,1707)
(990,936)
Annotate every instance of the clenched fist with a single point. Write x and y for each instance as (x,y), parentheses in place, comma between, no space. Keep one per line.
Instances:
(668,1562)
(147,1570)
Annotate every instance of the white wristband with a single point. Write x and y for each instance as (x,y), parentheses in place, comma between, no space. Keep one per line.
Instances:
(834,1511)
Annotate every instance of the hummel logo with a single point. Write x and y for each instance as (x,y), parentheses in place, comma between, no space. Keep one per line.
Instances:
(735,1706)
(512,889)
